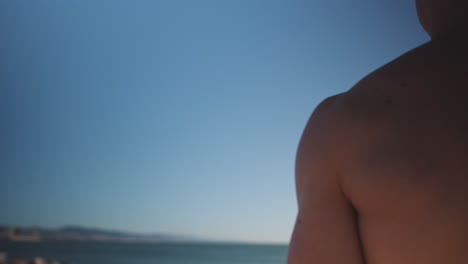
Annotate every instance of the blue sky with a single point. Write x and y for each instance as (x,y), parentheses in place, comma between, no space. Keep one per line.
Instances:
(176,116)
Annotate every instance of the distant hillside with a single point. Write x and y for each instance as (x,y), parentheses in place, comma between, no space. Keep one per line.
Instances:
(78,233)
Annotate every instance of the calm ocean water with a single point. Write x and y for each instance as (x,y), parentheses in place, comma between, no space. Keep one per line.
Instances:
(120,253)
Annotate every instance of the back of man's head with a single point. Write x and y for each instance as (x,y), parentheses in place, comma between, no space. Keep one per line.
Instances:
(443,17)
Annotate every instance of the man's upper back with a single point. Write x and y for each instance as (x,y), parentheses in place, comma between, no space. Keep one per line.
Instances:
(408,175)
(401,138)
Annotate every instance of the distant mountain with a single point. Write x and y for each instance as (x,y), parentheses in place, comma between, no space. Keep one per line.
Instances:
(78,233)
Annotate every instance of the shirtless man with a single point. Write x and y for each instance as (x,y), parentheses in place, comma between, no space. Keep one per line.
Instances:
(382,170)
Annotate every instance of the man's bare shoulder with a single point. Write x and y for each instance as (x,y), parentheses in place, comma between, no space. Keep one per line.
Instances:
(340,118)
(325,122)
(362,115)
(331,134)
(346,125)
(344,146)
(377,97)
(326,222)
(319,140)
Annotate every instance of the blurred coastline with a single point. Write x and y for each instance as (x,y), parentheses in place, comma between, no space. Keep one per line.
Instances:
(78,233)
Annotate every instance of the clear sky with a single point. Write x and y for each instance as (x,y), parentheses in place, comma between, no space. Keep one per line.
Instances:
(175,116)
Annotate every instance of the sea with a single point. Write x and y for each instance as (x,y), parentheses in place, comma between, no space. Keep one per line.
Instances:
(129,253)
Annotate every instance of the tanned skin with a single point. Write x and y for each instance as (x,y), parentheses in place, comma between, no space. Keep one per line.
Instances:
(382,169)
